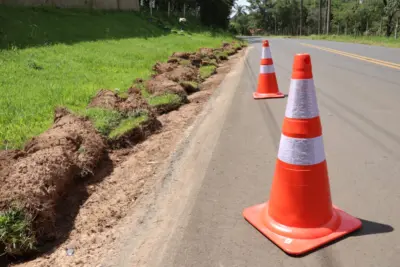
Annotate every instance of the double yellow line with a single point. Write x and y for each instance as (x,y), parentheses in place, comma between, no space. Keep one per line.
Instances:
(367,59)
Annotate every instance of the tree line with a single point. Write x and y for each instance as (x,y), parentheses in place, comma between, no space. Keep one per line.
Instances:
(305,17)
(212,13)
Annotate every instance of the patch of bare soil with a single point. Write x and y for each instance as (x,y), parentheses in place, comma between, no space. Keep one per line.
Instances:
(134,102)
(108,99)
(183,73)
(94,227)
(165,67)
(160,85)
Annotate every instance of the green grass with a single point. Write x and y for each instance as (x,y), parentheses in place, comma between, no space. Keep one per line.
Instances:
(207,71)
(15,231)
(127,125)
(52,57)
(103,120)
(185,62)
(164,99)
(193,85)
(369,40)
(222,55)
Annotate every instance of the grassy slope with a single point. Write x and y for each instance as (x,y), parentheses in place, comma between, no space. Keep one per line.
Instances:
(370,40)
(53,57)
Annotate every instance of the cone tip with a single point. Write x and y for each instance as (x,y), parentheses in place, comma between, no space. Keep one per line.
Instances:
(265,43)
(302,67)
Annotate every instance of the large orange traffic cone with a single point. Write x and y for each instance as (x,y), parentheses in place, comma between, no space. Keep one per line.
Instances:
(267,84)
(299,216)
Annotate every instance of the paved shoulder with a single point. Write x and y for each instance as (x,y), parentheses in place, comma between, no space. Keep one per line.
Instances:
(362,146)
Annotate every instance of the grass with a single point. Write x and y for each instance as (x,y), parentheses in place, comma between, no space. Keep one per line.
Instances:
(193,85)
(126,125)
(15,232)
(61,57)
(164,99)
(222,55)
(207,71)
(369,40)
(104,120)
(185,62)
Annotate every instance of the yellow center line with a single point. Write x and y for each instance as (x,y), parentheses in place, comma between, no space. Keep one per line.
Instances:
(367,59)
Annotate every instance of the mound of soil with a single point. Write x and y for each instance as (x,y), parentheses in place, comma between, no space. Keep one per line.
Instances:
(189,87)
(69,150)
(7,159)
(196,60)
(160,84)
(183,55)
(164,67)
(206,53)
(106,99)
(183,73)
(134,102)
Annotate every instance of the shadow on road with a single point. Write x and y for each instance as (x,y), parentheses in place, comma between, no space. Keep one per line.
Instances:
(371,228)
(368,228)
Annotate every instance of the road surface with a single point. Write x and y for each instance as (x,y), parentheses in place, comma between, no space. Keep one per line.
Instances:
(359,103)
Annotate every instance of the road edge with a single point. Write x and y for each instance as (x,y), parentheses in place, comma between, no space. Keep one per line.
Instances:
(154,219)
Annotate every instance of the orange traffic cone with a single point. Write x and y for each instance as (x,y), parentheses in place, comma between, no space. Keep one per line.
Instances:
(299,216)
(267,84)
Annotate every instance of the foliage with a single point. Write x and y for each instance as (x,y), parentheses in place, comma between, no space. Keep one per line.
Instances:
(15,231)
(282,17)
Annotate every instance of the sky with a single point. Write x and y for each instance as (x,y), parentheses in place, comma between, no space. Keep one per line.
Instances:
(242,2)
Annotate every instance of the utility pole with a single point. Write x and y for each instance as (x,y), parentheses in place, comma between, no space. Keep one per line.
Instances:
(328,16)
(320,17)
(301,16)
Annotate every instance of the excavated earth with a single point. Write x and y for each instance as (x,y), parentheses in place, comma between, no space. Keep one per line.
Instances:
(77,184)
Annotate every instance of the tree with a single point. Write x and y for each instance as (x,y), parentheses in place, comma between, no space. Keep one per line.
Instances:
(215,12)
(391,8)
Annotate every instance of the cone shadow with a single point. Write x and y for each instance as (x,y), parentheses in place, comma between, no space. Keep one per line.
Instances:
(367,228)
(372,228)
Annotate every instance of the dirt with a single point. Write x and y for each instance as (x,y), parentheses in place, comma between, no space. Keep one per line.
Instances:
(7,159)
(189,87)
(165,67)
(102,201)
(160,85)
(108,99)
(69,150)
(206,53)
(183,73)
(134,102)
(183,55)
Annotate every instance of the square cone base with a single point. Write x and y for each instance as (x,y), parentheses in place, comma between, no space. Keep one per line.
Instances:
(295,246)
(257,95)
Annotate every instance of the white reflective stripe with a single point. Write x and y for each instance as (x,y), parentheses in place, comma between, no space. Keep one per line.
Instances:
(301,151)
(267,69)
(302,100)
(266,53)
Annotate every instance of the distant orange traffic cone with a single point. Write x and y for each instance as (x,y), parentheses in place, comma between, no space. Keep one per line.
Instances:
(267,84)
(299,216)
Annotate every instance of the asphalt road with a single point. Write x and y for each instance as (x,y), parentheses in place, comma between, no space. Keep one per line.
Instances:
(359,105)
